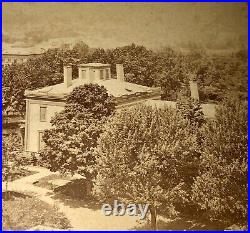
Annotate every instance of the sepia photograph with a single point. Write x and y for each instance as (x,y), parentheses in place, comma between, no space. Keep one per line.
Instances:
(124,116)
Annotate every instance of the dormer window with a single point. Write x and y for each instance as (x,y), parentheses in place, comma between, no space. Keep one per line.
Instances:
(94,71)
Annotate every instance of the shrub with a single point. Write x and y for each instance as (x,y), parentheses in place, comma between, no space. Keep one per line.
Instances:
(11,157)
(190,108)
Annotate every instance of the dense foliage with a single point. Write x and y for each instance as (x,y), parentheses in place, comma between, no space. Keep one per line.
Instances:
(36,73)
(162,157)
(190,108)
(217,75)
(221,187)
(146,155)
(12,158)
(74,133)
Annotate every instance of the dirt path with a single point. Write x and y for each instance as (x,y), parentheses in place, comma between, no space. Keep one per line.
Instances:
(81,218)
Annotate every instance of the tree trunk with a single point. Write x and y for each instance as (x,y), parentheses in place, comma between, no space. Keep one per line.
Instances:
(88,188)
(89,185)
(153,213)
(6,188)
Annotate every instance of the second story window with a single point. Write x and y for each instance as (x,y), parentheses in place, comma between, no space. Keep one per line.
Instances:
(43,111)
(101,74)
(107,73)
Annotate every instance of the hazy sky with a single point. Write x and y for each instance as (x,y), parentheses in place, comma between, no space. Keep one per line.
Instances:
(214,25)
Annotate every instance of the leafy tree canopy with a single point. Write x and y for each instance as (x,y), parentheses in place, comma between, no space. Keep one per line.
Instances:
(146,155)
(221,187)
(217,75)
(75,130)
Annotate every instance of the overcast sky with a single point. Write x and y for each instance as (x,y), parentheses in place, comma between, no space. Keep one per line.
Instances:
(108,25)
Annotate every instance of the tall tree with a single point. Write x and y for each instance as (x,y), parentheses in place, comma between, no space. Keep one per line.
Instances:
(221,187)
(35,73)
(75,130)
(81,49)
(146,155)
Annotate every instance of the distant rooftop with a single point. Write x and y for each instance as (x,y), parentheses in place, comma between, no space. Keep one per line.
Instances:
(97,65)
(21,51)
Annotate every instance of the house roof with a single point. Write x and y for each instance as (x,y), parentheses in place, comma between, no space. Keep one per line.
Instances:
(161,103)
(21,51)
(208,110)
(114,87)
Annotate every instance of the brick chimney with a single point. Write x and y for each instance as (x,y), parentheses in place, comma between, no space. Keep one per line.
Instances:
(67,72)
(194,89)
(120,72)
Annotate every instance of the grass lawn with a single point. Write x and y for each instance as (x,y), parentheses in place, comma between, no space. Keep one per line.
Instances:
(22,212)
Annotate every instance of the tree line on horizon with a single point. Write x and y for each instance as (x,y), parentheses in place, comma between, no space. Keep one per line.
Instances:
(217,75)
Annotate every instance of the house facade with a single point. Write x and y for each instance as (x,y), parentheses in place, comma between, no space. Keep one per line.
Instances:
(42,104)
(17,54)
(12,58)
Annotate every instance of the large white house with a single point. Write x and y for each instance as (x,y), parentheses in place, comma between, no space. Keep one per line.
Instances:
(42,104)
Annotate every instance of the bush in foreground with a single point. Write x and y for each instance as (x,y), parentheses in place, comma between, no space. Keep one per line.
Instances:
(146,155)
(24,212)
